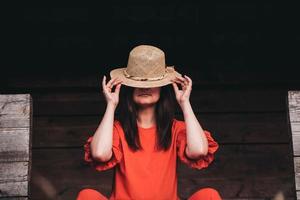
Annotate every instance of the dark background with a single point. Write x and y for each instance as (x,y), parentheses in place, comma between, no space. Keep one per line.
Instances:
(222,41)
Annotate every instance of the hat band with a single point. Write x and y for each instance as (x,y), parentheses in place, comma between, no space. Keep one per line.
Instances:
(137,78)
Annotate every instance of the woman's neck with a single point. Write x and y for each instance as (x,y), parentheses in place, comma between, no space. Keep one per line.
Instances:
(146,117)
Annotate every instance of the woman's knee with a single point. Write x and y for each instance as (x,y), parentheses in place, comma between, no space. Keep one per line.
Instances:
(88,193)
(207,193)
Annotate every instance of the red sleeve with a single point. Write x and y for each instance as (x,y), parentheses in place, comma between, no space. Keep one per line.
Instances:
(116,156)
(181,143)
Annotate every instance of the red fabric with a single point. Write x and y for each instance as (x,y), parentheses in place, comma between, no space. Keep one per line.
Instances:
(181,144)
(206,194)
(90,194)
(202,194)
(137,172)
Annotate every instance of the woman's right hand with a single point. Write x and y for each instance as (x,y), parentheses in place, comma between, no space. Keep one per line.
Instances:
(111,97)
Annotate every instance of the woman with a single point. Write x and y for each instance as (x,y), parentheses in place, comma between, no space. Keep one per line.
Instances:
(144,142)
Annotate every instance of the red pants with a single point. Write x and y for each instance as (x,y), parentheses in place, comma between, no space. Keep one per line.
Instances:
(202,194)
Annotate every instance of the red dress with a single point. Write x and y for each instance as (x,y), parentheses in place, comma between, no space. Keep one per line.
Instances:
(149,174)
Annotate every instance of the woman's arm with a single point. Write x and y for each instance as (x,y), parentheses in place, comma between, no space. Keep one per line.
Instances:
(197,144)
(101,145)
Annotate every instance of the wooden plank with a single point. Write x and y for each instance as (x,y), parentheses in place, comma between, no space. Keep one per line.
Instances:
(14,120)
(262,160)
(244,188)
(14,98)
(294,121)
(14,144)
(294,105)
(15,104)
(11,172)
(71,131)
(296,143)
(14,189)
(93,103)
(297,172)
(270,163)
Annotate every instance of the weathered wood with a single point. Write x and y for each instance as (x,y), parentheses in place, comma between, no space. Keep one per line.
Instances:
(294,117)
(15,105)
(294,120)
(14,98)
(15,145)
(11,121)
(14,179)
(71,131)
(93,103)
(13,171)
(14,189)
(297,172)
(270,165)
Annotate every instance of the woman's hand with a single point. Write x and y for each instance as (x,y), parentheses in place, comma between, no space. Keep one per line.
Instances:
(112,98)
(183,95)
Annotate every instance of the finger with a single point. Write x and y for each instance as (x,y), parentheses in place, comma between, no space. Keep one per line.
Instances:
(179,80)
(182,84)
(190,83)
(175,87)
(103,80)
(111,86)
(186,81)
(115,84)
(117,90)
(189,79)
(111,82)
(104,83)
(180,77)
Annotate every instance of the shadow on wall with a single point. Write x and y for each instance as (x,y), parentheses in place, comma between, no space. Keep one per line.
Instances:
(45,186)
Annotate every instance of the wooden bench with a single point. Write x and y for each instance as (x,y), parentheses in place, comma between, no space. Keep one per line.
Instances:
(15,145)
(294,119)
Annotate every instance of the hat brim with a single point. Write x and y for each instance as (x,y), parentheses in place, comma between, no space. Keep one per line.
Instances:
(170,74)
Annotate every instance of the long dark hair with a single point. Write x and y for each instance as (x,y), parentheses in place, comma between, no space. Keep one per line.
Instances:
(164,114)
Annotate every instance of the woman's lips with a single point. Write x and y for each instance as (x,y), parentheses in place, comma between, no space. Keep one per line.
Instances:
(144,95)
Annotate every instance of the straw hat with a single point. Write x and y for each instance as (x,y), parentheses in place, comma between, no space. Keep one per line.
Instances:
(146,68)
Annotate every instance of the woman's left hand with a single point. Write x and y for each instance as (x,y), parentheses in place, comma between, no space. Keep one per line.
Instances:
(183,95)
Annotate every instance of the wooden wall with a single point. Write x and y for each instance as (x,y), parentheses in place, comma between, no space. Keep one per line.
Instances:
(15,146)
(294,119)
(249,122)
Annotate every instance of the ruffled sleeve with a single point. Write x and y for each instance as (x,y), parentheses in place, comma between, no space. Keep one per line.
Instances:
(116,156)
(181,143)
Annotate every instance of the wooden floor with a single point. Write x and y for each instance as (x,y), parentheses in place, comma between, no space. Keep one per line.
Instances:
(249,122)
